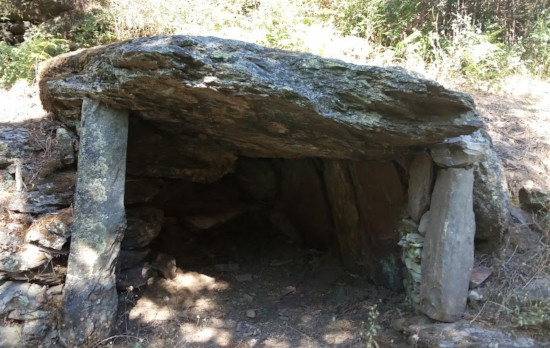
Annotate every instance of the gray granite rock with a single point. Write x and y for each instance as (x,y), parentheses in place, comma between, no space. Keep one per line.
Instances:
(90,298)
(143,225)
(421,179)
(448,254)
(51,230)
(491,196)
(461,151)
(464,335)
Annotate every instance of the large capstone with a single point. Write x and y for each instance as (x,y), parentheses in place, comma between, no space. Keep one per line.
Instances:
(210,99)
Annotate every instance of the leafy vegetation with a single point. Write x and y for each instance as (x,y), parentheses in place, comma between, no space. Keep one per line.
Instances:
(21,62)
(479,40)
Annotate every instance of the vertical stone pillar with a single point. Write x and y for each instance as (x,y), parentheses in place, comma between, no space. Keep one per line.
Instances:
(342,200)
(420,186)
(90,297)
(448,254)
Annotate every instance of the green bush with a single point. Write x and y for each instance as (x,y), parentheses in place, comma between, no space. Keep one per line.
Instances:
(21,61)
(361,18)
(93,29)
(537,46)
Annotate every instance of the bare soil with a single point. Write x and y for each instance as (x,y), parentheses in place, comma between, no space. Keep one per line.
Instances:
(247,289)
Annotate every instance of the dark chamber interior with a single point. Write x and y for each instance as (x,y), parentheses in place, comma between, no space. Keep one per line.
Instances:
(264,212)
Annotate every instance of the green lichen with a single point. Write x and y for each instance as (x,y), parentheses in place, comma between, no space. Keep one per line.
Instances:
(221,56)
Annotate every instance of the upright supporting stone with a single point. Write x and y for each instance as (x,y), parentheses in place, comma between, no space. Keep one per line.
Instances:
(342,200)
(90,298)
(448,255)
(420,186)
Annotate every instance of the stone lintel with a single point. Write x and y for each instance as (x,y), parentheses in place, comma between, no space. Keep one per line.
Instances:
(90,297)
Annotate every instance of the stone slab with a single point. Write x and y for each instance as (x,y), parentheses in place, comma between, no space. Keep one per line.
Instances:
(448,254)
(421,179)
(479,275)
(90,297)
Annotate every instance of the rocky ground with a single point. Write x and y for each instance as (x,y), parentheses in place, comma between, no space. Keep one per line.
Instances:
(242,292)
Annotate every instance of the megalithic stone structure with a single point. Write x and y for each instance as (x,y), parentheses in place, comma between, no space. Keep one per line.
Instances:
(90,297)
(200,105)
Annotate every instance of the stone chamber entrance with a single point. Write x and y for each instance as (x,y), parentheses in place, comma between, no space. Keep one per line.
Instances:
(260,246)
(264,196)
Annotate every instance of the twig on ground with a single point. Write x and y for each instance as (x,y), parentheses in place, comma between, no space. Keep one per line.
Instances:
(115,337)
(298,331)
(478,313)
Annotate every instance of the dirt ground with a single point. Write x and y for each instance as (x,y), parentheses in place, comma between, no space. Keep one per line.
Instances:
(240,291)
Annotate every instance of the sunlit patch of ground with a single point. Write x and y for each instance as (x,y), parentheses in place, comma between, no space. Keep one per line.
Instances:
(307,301)
(20,103)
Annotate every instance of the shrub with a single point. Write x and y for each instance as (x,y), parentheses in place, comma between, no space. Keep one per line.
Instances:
(93,29)
(21,62)
(537,46)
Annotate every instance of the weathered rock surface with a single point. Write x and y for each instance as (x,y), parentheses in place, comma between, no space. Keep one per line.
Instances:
(380,199)
(226,128)
(534,198)
(52,230)
(90,297)
(17,255)
(21,301)
(421,178)
(29,182)
(260,102)
(131,258)
(491,196)
(28,256)
(36,180)
(37,202)
(11,335)
(344,210)
(61,155)
(258,178)
(51,193)
(538,289)
(424,223)
(305,214)
(460,152)
(153,152)
(143,225)
(479,275)
(411,256)
(28,310)
(463,335)
(448,254)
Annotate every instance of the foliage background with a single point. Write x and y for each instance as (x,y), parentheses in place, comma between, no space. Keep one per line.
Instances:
(482,42)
